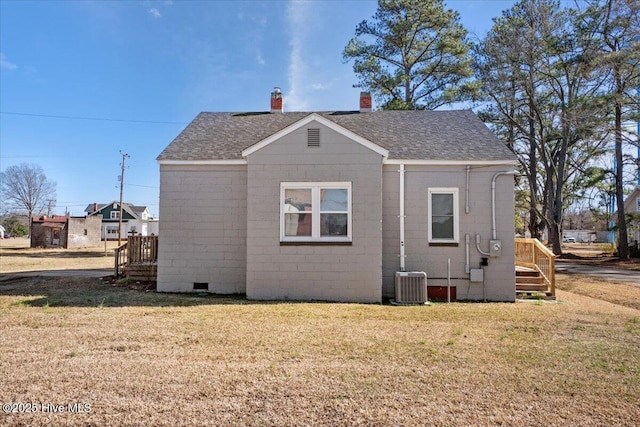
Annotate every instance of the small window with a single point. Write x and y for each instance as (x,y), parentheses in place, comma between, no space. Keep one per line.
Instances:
(313,137)
(638,204)
(443,215)
(86,232)
(315,212)
(115,215)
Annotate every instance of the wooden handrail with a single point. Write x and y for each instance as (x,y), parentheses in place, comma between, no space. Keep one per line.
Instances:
(121,257)
(137,250)
(531,253)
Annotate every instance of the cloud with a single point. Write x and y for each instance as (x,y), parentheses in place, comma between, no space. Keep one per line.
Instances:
(155,13)
(259,59)
(297,17)
(321,86)
(5,63)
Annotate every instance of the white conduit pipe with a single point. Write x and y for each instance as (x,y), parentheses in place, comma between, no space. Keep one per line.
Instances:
(402,255)
(466,191)
(494,234)
(493,201)
(467,266)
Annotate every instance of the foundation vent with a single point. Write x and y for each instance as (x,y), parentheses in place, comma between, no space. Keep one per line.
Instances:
(313,137)
(411,287)
(200,286)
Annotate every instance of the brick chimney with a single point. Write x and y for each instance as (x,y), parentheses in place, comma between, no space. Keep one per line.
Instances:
(365,102)
(95,207)
(277,103)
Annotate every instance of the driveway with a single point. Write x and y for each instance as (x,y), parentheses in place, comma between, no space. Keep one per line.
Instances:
(606,273)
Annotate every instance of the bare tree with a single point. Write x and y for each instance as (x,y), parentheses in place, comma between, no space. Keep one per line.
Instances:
(616,24)
(26,187)
(545,100)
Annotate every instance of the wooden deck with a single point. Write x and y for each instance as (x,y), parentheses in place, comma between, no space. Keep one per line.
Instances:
(137,258)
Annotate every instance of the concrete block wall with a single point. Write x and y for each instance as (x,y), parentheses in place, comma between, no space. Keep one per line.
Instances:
(330,273)
(41,237)
(83,232)
(202,231)
(420,256)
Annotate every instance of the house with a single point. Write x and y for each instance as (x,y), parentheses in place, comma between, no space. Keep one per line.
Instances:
(2,231)
(135,219)
(632,210)
(65,232)
(331,205)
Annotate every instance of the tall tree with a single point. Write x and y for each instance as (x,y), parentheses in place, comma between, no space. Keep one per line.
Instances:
(617,25)
(545,99)
(26,187)
(413,55)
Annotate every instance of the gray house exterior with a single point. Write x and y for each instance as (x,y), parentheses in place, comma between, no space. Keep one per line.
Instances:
(305,206)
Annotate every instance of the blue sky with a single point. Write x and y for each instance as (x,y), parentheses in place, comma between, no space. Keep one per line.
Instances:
(146,68)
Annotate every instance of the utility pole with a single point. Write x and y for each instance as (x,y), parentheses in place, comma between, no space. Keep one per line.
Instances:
(124,157)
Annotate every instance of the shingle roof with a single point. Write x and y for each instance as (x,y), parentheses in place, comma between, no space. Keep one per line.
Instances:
(415,135)
(133,210)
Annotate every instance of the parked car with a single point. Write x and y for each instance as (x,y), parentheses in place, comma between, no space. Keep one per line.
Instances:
(568,239)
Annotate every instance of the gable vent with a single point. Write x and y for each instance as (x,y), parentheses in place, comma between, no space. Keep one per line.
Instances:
(313,137)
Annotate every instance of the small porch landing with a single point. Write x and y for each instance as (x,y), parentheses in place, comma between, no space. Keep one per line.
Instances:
(535,270)
(137,259)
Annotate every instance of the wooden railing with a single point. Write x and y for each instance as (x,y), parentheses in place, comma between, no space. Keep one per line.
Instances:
(121,260)
(531,253)
(137,250)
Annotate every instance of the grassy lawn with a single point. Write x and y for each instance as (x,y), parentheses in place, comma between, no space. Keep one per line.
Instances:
(141,358)
(16,255)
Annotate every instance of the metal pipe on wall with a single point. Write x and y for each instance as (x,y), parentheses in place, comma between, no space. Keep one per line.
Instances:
(466,190)
(493,201)
(402,255)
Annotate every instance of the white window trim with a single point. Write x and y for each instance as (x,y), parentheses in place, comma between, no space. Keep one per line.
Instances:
(114,215)
(315,212)
(456,214)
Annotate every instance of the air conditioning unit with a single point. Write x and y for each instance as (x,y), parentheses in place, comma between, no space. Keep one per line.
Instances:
(411,287)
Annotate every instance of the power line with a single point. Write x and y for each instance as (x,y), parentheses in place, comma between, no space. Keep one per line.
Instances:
(145,186)
(102,119)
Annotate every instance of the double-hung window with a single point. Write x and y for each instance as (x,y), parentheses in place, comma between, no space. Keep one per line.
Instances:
(115,215)
(443,215)
(315,212)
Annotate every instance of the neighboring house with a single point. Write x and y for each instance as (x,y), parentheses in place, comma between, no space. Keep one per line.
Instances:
(65,232)
(135,219)
(308,206)
(2,231)
(631,206)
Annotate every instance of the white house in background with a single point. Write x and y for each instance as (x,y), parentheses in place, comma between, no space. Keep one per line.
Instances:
(2,230)
(631,206)
(335,206)
(135,219)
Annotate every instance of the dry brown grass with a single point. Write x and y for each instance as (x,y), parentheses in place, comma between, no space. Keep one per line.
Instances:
(16,256)
(167,360)
(627,294)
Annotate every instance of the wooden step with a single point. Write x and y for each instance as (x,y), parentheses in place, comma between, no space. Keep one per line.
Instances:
(531,287)
(145,272)
(530,280)
(527,273)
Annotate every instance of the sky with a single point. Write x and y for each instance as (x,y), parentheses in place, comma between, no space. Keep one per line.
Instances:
(83,81)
